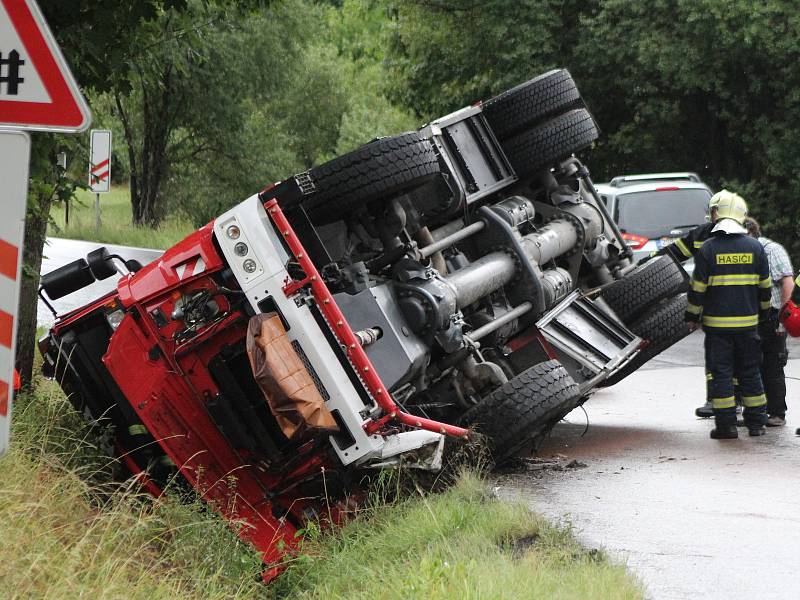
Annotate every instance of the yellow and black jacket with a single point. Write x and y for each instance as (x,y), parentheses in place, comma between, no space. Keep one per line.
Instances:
(689,245)
(730,285)
(796,291)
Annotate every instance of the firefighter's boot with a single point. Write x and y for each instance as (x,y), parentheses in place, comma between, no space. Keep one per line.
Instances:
(756,430)
(725,432)
(705,412)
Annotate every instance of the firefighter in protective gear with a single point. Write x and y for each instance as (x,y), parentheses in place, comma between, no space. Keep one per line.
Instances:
(687,247)
(790,312)
(730,294)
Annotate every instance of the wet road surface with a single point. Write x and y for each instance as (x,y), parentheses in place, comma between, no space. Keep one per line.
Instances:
(59,252)
(691,516)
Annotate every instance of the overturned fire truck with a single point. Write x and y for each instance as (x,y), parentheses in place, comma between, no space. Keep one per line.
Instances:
(463,277)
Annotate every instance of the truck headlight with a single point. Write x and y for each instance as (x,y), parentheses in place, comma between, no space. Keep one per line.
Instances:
(240,249)
(233,232)
(114,318)
(249,266)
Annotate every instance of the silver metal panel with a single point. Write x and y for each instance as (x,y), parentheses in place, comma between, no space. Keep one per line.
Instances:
(268,281)
(589,335)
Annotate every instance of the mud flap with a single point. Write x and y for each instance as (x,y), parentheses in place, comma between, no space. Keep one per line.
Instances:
(588,339)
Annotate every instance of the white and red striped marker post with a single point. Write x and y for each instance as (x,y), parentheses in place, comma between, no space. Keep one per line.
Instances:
(15,148)
(37,92)
(99,168)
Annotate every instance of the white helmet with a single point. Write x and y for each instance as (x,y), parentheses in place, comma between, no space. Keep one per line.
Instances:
(731,211)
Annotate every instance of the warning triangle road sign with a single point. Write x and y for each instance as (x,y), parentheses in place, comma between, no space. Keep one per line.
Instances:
(37,90)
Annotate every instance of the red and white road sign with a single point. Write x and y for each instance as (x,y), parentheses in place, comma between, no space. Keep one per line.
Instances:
(37,90)
(100,161)
(14,156)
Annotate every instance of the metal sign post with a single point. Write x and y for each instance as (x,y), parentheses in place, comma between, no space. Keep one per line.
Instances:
(15,150)
(37,92)
(99,168)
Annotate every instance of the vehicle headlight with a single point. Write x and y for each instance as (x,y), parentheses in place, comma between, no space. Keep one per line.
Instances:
(114,318)
(240,249)
(233,232)
(249,266)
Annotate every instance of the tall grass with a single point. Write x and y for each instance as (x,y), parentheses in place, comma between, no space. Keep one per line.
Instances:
(116,227)
(462,543)
(66,531)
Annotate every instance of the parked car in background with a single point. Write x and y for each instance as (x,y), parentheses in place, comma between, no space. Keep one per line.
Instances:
(653,210)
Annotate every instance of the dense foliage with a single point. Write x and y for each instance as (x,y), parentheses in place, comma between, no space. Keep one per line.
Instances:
(703,85)
(212,99)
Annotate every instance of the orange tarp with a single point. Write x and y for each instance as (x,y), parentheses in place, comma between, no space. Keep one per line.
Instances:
(287,385)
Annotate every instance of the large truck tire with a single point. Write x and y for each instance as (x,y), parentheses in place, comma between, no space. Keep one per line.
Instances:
(532,102)
(661,327)
(523,409)
(644,287)
(545,145)
(382,169)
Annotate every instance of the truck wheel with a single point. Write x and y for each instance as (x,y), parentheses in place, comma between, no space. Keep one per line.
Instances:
(543,146)
(644,287)
(662,326)
(382,169)
(523,408)
(532,102)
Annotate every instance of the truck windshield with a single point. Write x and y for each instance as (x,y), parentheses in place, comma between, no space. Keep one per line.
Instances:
(657,213)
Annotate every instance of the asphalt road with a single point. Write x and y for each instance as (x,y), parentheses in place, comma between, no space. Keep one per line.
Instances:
(58,252)
(692,517)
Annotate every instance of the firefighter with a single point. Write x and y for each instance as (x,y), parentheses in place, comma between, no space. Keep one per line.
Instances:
(772,333)
(685,248)
(730,294)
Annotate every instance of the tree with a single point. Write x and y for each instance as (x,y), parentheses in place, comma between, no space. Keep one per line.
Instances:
(702,85)
(177,102)
(705,85)
(304,95)
(447,54)
(91,36)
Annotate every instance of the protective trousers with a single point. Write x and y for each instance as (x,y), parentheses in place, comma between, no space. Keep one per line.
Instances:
(775,355)
(730,355)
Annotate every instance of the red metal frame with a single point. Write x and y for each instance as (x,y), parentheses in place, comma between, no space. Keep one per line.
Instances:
(344,334)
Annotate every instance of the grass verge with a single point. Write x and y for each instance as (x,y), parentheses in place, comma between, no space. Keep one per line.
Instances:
(462,543)
(67,532)
(116,228)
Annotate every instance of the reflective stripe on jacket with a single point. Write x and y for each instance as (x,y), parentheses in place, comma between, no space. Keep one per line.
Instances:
(730,285)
